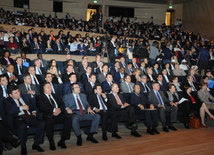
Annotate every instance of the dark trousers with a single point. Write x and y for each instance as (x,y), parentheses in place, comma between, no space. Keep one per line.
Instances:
(64,119)
(203,66)
(172,110)
(151,118)
(185,109)
(5,135)
(104,117)
(130,112)
(21,124)
(112,58)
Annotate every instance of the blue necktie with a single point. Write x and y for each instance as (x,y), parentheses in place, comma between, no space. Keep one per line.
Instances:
(159,98)
(102,104)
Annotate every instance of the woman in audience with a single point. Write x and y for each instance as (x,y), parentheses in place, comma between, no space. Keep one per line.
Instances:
(52,63)
(49,48)
(183,107)
(177,85)
(196,105)
(92,49)
(56,76)
(206,97)
(136,76)
(25,47)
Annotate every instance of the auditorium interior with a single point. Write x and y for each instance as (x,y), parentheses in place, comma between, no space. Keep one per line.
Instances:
(92,77)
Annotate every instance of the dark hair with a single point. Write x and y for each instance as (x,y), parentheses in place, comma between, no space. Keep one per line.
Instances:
(45,84)
(26,75)
(96,86)
(48,74)
(171,85)
(108,74)
(127,76)
(72,86)
(72,74)
(92,74)
(11,88)
(2,76)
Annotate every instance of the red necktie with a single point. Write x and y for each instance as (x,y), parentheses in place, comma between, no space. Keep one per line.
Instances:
(25,111)
(80,106)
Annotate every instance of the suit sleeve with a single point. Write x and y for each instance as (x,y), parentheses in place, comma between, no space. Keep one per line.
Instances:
(44,107)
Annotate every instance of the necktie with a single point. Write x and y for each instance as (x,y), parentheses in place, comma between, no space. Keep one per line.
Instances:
(159,98)
(147,87)
(193,87)
(1,71)
(20,69)
(37,46)
(35,80)
(40,72)
(145,90)
(28,87)
(102,103)
(80,106)
(25,111)
(5,90)
(53,89)
(130,88)
(118,100)
(52,101)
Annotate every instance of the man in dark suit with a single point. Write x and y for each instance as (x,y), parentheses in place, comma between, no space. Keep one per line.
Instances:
(89,86)
(118,105)
(25,59)
(162,104)
(6,60)
(72,79)
(115,69)
(190,82)
(3,87)
(96,64)
(27,88)
(54,87)
(156,70)
(163,84)
(122,62)
(106,85)
(129,69)
(85,76)
(98,102)
(134,63)
(150,77)
(69,69)
(102,76)
(58,47)
(36,79)
(36,47)
(54,112)
(111,50)
(119,76)
(144,86)
(143,106)
(38,68)
(23,114)
(167,78)
(77,104)
(19,69)
(11,77)
(44,63)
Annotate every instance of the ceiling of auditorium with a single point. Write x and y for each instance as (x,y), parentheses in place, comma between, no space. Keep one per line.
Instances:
(156,1)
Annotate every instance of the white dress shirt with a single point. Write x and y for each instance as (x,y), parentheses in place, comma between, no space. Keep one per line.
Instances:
(77,105)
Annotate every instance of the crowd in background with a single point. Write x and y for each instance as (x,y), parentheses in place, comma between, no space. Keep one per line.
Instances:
(153,70)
